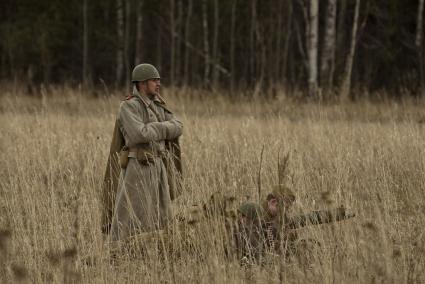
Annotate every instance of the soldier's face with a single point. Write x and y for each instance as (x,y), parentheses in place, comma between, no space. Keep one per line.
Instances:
(151,87)
(273,206)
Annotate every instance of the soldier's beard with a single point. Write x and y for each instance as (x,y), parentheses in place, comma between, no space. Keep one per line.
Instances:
(152,94)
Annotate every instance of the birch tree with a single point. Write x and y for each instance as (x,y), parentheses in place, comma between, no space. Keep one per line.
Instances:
(346,85)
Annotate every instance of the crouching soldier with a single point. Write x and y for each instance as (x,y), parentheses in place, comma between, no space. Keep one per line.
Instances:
(249,233)
(281,228)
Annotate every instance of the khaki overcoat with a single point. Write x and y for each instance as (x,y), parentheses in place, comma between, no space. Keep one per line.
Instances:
(138,200)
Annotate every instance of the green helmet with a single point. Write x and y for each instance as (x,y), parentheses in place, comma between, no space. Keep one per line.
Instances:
(143,72)
(252,211)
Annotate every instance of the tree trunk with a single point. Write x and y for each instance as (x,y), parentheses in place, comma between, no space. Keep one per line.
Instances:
(173,42)
(232,47)
(276,61)
(45,57)
(312,47)
(178,44)
(346,84)
(215,45)
(252,52)
(259,82)
(328,50)
(120,39)
(341,39)
(127,44)
(187,39)
(85,44)
(158,59)
(206,43)
(10,53)
(419,48)
(139,34)
(288,35)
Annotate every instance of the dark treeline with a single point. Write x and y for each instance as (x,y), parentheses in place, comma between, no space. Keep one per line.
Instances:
(311,45)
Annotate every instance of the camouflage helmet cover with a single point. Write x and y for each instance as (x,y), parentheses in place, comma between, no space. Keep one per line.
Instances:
(252,211)
(282,193)
(143,72)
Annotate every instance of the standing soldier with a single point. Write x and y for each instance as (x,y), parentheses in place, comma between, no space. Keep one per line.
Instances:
(145,136)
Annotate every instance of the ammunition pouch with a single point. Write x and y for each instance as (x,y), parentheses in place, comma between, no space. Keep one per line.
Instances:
(123,160)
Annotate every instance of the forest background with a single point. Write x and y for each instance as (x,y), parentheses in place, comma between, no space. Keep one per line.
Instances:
(319,47)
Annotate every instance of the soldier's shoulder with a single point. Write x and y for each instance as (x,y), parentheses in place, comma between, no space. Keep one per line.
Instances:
(130,102)
(129,97)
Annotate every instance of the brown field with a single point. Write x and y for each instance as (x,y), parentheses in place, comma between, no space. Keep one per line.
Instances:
(366,156)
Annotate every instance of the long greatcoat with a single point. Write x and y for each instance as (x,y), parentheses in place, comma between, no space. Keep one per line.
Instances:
(138,199)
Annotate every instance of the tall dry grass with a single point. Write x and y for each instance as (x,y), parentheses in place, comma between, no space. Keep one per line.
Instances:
(366,156)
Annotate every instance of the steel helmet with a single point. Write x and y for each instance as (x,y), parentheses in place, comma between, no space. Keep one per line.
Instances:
(252,211)
(143,72)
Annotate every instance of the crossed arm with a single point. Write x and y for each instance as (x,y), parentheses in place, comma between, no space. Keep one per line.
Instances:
(138,131)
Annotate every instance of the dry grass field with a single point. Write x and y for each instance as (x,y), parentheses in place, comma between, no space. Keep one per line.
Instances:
(366,156)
